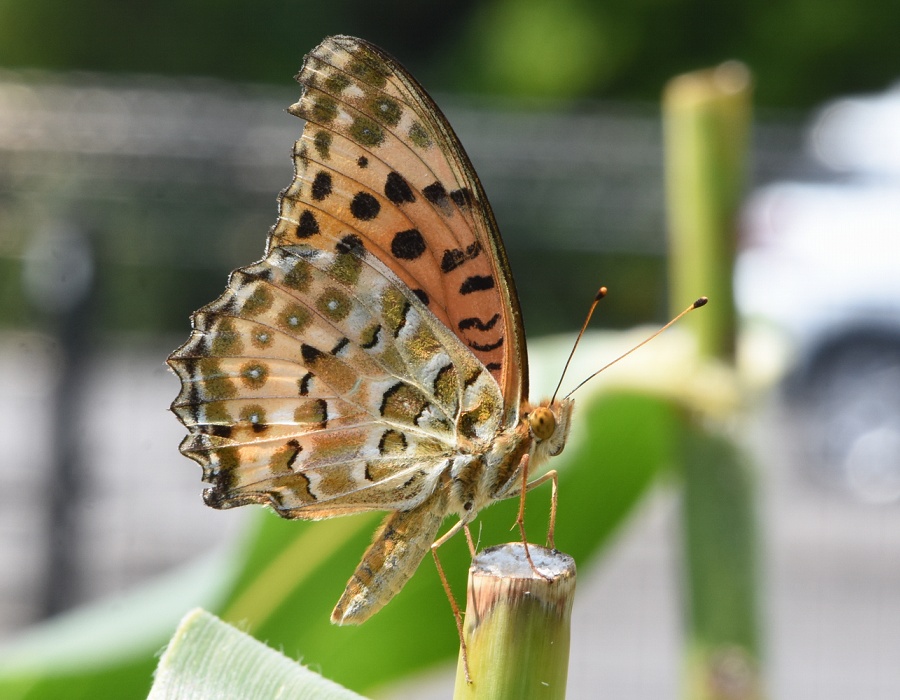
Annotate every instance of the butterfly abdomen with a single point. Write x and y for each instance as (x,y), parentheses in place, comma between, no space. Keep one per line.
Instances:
(398,547)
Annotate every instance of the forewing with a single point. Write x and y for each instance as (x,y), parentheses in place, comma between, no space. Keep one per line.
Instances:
(378,159)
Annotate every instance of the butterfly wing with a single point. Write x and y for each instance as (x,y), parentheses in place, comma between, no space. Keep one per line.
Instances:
(319,384)
(377,348)
(380,334)
(378,158)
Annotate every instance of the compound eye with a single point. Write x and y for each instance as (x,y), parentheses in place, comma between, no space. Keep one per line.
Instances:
(542,422)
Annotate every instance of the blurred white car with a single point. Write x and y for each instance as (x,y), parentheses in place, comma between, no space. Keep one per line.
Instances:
(820,262)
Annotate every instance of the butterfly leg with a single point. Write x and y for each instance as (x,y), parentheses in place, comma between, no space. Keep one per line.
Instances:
(469,540)
(552,476)
(520,518)
(457,615)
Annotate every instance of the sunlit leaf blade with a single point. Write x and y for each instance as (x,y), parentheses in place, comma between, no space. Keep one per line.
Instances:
(209,659)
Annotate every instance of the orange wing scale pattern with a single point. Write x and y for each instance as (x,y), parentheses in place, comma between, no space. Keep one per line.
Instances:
(378,158)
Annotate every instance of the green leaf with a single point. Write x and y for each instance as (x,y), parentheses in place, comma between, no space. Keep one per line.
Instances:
(209,659)
(282,579)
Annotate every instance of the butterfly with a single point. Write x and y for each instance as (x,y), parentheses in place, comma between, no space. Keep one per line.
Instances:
(374,358)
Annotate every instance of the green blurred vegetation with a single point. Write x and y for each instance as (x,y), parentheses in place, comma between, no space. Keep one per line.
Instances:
(281,582)
(801,51)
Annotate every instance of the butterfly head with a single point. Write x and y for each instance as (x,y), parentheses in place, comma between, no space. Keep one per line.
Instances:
(549,425)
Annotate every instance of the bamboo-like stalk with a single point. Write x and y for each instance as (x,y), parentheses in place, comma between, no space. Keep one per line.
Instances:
(720,540)
(706,123)
(706,119)
(517,625)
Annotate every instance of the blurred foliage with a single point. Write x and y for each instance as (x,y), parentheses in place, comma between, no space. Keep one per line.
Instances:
(282,581)
(801,51)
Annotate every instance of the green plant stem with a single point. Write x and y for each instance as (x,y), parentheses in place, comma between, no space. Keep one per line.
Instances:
(720,540)
(706,123)
(706,118)
(517,625)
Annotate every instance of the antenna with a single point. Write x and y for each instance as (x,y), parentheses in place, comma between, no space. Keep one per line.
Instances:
(597,297)
(696,305)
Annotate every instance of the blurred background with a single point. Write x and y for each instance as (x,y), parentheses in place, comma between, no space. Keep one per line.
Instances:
(141,149)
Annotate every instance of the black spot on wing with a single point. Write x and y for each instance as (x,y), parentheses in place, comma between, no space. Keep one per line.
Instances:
(399,317)
(476,283)
(486,347)
(436,193)
(462,197)
(385,398)
(321,186)
(367,342)
(221,431)
(423,297)
(296,449)
(320,410)
(473,322)
(343,343)
(230,307)
(471,378)
(364,206)
(302,154)
(308,226)
(408,245)
(467,424)
(248,275)
(455,257)
(202,348)
(351,243)
(194,392)
(310,354)
(397,189)
(322,142)
(392,441)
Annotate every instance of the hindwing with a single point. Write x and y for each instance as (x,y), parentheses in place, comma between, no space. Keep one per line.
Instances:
(320,384)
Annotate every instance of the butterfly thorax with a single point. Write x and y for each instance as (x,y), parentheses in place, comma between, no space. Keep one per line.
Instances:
(495,474)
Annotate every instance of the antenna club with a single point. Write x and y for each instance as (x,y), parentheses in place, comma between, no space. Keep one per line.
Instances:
(700,302)
(600,293)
